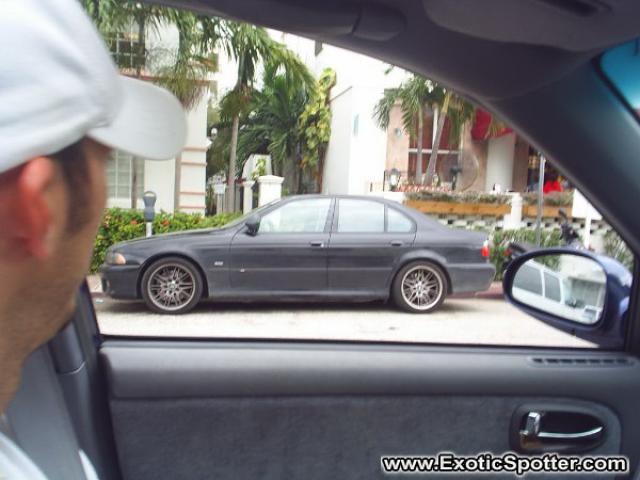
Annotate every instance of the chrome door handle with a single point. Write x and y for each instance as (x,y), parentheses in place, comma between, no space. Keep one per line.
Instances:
(317,243)
(532,432)
(588,435)
(397,243)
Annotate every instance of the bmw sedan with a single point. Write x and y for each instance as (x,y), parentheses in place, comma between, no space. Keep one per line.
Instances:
(311,247)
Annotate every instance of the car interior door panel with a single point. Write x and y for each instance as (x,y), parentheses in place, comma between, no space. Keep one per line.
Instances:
(281,410)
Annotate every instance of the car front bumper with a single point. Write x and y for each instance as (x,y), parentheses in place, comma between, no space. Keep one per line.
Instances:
(120,281)
(470,278)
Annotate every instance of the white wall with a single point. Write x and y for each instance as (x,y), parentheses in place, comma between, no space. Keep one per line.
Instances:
(194,160)
(369,143)
(336,166)
(500,161)
(159,178)
(359,155)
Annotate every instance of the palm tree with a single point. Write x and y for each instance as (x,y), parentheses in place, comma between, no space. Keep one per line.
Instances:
(251,46)
(272,125)
(416,96)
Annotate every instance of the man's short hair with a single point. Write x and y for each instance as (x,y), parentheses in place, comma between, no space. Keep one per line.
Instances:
(75,169)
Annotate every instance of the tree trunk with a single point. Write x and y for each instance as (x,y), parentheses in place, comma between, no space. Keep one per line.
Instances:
(431,168)
(419,145)
(96,12)
(230,206)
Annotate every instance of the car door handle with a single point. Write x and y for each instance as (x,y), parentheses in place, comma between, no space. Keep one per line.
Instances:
(317,243)
(397,243)
(532,436)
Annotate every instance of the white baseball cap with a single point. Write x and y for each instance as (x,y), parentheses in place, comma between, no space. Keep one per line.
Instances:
(59,84)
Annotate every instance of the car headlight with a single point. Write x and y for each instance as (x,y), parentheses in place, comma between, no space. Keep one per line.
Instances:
(114,258)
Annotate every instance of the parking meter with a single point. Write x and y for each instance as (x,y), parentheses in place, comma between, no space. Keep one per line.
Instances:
(149,199)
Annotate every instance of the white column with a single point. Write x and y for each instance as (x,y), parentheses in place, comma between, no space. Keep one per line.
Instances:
(247,199)
(500,153)
(270,188)
(513,220)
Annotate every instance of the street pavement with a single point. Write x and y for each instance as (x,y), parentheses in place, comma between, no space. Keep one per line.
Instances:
(486,321)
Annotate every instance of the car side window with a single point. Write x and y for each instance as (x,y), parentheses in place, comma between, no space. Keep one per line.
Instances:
(529,279)
(303,216)
(360,216)
(552,287)
(397,222)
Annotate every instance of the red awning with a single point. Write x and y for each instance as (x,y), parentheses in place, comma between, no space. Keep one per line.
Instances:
(481,127)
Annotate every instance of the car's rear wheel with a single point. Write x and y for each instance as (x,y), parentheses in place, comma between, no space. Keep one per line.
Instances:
(171,285)
(420,287)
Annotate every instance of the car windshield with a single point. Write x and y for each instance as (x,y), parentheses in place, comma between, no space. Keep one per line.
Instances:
(622,67)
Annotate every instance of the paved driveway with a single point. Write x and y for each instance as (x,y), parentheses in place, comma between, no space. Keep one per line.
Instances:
(472,320)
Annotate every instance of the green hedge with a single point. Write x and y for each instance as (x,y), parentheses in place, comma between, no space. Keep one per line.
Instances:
(616,248)
(118,225)
(500,240)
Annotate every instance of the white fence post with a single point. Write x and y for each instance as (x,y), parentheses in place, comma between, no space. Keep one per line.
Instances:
(247,199)
(270,188)
(513,220)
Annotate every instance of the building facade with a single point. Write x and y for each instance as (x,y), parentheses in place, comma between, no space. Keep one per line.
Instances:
(179,183)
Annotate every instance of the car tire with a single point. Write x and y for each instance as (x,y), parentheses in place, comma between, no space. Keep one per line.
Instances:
(171,285)
(420,287)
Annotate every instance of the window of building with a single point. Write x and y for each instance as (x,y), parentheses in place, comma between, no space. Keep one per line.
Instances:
(125,50)
(120,175)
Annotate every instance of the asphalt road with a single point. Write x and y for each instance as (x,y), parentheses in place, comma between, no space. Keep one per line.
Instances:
(467,321)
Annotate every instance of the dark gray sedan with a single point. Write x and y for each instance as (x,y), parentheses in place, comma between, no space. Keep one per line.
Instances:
(312,247)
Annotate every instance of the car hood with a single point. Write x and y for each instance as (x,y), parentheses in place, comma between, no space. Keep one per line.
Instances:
(137,242)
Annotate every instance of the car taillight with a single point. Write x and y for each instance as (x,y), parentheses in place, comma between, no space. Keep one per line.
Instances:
(485,249)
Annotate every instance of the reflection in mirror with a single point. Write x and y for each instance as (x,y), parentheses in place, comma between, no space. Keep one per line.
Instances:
(568,286)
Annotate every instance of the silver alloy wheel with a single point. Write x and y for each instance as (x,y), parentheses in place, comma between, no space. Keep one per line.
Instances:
(422,287)
(171,286)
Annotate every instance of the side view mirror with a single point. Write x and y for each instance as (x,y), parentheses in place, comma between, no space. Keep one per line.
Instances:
(579,292)
(252,224)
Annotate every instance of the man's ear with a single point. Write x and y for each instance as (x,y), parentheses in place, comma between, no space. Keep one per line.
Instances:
(34,200)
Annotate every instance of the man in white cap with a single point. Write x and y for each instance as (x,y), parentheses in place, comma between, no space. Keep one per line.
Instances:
(63,108)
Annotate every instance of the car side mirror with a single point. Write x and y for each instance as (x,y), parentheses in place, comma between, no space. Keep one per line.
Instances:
(253,225)
(576,291)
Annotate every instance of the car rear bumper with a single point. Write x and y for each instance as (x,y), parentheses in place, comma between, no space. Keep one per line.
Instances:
(120,281)
(469,278)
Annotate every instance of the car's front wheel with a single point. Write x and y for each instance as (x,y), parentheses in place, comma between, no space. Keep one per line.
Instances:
(420,287)
(171,285)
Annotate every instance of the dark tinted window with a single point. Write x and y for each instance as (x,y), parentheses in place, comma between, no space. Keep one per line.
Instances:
(551,287)
(529,279)
(360,216)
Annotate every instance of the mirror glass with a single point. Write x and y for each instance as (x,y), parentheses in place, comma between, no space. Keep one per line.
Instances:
(568,286)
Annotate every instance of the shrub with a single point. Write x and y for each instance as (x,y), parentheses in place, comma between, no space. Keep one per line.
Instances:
(552,199)
(118,225)
(500,240)
(616,248)
(463,197)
